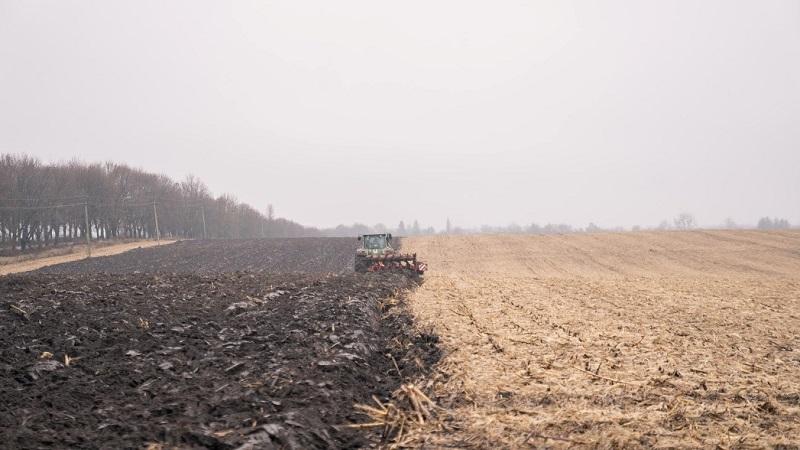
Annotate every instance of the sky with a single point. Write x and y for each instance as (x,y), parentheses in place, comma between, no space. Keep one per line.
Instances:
(611,112)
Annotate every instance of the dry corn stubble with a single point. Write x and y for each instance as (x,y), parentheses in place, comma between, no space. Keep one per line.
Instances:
(656,339)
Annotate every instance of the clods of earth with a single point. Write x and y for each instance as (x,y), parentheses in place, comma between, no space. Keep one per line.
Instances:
(201,360)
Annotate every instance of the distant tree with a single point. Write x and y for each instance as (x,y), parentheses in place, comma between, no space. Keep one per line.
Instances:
(355,229)
(730,224)
(557,228)
(415,228)
(592,228)
(270,212)
(514,228)
(401,228)
(448,227)
(360,229)
(684,221)
(765,223)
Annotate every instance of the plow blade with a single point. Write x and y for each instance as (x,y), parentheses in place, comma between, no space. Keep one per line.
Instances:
(394,262)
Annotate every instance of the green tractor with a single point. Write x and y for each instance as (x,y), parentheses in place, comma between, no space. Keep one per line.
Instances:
(376,254)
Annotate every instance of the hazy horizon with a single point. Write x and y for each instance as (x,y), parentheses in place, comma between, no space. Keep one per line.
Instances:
(616,113)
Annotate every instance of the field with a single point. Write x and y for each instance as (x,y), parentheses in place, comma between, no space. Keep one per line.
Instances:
(668,339)
(648,339)
(179,346)
(312,255)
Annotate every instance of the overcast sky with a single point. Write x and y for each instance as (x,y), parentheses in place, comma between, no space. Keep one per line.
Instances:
(619,113)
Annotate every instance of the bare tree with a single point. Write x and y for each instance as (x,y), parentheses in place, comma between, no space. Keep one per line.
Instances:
(765,223)
(685,221)
(43,204)
(415,227)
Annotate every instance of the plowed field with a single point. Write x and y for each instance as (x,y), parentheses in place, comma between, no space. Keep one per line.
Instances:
(182,346)
(309,255)
(653,339)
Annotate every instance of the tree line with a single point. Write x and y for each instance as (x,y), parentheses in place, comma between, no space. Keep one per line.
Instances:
(683,221)
(44,204)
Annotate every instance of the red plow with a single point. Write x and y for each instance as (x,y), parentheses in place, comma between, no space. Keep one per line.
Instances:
(395,262)
(377,255)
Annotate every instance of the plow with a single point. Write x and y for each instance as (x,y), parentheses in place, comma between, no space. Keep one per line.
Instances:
(376,254)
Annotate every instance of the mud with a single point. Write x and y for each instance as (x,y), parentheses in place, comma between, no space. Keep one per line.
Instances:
(202,360)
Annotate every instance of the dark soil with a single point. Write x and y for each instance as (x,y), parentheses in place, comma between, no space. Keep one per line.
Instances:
(310,255)
(213,360)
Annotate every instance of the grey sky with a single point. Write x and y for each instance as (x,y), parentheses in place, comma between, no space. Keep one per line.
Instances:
(620,113)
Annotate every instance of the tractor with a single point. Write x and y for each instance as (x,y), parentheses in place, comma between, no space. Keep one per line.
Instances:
(376,254)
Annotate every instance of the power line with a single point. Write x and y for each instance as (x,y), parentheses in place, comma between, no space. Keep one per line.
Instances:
(36,199)
(27,208)
(106,205)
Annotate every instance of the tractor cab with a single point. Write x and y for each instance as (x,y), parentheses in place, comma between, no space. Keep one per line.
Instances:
(375,243)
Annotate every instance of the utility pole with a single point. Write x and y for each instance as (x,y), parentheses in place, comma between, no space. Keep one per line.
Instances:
(86,222)
(155,216)
(203,213)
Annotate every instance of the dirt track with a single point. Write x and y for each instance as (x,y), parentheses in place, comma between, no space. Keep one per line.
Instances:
(216,359)
(669,339)
(74,253)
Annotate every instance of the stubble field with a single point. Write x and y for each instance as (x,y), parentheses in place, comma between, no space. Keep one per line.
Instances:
(651,339)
